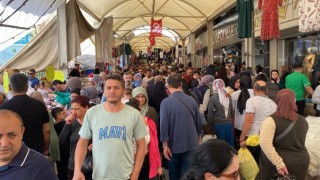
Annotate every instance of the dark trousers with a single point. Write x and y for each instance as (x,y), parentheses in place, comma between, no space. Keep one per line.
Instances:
(317,113)
(145,169)
(255,151)
(179,164)
(301,105)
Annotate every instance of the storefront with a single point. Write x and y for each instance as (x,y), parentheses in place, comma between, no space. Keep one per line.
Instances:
(227,46)
(201,48)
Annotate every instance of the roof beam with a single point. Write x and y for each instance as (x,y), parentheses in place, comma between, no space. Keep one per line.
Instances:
(161,15)
(115,6)
(12,26)
(83,7)
(203,14)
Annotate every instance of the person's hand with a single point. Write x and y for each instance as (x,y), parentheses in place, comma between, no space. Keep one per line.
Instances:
(90,147)
(78,176)
(70,118)
(167,153)
(133,177)
(159,171)
(243,144)
(283,171)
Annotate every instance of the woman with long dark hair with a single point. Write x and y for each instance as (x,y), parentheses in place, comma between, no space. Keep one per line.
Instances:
(215,159)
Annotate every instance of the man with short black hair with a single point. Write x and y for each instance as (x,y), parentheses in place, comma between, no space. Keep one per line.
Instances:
(180,128)
(298,82)
(258,108)
(75,72)
(60,86)
(33,80)
(34,114)
(18,161)
(113,128)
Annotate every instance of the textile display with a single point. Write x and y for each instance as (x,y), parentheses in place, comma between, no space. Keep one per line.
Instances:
(156,28)
(309,15)
(270,19)
(244,8)
(312,145)
(78,29)
(106,38)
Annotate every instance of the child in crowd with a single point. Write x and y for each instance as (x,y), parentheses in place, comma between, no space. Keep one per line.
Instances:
(127,95)
(62,166)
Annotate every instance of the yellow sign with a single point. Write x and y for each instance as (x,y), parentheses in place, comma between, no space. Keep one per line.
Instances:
(58,75)
(5,82)
(50,73)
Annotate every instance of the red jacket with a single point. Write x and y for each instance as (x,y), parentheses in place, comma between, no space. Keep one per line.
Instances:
(154,154)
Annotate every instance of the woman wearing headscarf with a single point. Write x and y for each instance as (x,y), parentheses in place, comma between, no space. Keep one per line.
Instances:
(141,95)
(92,93)
(152,164)
(157,92)
(239,99)
(222,74)
(219,112)
(282,140)
(202,91)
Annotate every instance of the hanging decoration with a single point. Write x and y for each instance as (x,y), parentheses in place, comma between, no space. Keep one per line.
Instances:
(244,9)
(152,40)
(270,19)
(156,28)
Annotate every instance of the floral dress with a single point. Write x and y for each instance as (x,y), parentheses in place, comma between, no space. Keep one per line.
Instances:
(270,19)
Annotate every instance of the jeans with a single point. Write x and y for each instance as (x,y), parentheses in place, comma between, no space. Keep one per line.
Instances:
(179,164)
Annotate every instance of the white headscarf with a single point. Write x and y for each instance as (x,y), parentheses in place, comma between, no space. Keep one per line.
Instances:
(218,86)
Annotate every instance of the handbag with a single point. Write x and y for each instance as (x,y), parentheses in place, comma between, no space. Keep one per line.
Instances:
(161,177)
(287,177)
(87,165)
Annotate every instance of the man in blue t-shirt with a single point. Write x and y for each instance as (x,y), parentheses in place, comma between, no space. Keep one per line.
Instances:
(33,80)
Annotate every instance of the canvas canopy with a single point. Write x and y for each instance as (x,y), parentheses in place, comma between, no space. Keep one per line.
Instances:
(130,22)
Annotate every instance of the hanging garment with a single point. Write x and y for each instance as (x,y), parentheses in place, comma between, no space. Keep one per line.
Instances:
(309,15)
(270,19)
(244,9)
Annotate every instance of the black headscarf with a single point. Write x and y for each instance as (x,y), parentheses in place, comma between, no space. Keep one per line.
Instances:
(233,81)
(160,94)
(245,84)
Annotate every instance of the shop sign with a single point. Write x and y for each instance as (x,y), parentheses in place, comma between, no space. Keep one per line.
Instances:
(225,36)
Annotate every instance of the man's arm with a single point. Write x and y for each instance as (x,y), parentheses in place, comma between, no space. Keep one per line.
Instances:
(46,137)
(247,124)
(79,156)
(139,158)
(309,90)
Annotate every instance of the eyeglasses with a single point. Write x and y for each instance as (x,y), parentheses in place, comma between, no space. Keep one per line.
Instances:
(233,175)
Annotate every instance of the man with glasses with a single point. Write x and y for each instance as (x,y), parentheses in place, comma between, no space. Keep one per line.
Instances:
(34,82)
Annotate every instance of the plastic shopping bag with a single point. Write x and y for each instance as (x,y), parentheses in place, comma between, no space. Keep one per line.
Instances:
(249,167)
(253,140)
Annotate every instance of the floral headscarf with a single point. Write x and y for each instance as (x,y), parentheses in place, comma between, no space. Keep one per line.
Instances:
(218,86)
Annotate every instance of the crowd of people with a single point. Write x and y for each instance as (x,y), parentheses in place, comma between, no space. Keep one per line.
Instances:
(138,121)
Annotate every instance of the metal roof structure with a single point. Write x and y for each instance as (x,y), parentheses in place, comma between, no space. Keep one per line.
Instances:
(131,17)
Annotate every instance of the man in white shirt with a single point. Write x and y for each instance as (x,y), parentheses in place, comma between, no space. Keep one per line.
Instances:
(258,108)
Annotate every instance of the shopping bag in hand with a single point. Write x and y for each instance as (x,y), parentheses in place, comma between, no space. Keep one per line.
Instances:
(249,167)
